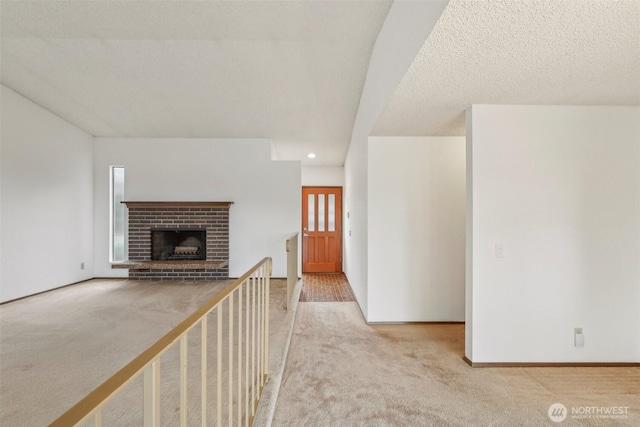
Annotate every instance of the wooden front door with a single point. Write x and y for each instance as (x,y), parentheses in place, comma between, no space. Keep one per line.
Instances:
(321,230)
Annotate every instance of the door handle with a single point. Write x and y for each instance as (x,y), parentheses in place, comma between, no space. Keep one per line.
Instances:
(305,235)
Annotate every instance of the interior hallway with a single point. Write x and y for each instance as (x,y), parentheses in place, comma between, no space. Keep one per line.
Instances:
(326,287)
(341,371)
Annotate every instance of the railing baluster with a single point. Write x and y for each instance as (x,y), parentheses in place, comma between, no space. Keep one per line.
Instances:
(230,385)
(246,353)
(152,394)
(260,347)
(266,322)
(262,329)
(183,380)
(219,369)
(203,369)
(96,419)
(239,403)
(253,345)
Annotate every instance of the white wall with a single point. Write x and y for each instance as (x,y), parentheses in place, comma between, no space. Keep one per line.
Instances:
(322,176)
(416,229)
(407,26)
(559,188)
(47,204)
(354,216)
(266,193)
(468,279)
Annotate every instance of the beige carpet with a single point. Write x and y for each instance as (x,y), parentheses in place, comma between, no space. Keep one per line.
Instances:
(341,372)
(57,347)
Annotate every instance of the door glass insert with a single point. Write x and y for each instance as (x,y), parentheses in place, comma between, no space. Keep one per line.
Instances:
(117,215)
(311,214)
(320,212)
(332,213)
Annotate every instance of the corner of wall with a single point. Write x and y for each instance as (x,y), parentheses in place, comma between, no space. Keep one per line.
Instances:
(47,198)
(406,27)
(468,326)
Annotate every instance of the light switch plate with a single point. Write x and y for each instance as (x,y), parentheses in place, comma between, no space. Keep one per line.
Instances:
(578,338)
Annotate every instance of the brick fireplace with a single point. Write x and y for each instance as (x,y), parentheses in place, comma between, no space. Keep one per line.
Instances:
(182,221)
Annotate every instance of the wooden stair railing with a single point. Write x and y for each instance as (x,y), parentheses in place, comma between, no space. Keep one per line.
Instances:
(245,303)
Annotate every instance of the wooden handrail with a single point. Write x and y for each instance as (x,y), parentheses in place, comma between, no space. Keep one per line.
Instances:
(93,400)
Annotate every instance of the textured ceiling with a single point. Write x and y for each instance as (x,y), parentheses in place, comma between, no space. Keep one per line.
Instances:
(292,71)
(575,52)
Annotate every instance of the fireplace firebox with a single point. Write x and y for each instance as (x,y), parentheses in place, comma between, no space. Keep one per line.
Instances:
(178,244)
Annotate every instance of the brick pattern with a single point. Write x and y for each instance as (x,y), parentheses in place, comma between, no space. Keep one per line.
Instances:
(215,220)
(180,274)
(326,287)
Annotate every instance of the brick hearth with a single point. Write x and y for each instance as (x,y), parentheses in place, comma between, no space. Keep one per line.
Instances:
(212,216)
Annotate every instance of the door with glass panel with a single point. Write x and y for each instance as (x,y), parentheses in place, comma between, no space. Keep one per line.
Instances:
(321,229)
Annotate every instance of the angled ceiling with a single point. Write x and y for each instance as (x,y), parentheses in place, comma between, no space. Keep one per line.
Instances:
(292,71)
(575,52)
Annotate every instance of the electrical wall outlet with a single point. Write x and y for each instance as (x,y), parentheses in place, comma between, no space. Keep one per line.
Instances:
(499,250)
(82,266)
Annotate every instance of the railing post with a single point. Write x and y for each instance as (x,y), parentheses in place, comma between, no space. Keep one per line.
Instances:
(152,394)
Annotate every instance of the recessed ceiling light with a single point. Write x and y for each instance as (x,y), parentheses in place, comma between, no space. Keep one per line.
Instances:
(311,155)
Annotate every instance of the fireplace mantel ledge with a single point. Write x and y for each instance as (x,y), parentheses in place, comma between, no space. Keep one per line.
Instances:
(152,204)
(170,264)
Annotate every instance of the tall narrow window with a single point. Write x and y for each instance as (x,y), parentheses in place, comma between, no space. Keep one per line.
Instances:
(117,214)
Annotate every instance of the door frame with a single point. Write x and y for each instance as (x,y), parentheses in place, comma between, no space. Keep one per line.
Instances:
(339,214)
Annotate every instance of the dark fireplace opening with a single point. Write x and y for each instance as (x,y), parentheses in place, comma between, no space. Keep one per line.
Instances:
(178,244)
